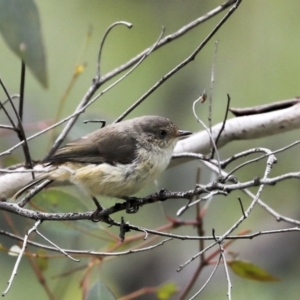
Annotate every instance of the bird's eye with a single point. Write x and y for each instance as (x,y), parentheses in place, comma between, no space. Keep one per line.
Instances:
(162,133)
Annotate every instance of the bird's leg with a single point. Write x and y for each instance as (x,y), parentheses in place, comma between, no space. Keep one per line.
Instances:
(99,208)
(98,205)
(131,209)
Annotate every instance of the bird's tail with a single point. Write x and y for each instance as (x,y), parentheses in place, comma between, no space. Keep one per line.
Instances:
(32,183)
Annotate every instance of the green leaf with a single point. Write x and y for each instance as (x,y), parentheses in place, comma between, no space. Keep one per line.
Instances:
(100,291)
(166,291)
(20,28)
(250,271)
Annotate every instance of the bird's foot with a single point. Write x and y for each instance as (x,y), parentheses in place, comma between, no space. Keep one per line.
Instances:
(131,207)
(95,216)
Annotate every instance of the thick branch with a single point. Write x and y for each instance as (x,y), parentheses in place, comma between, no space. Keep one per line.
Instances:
(244,128)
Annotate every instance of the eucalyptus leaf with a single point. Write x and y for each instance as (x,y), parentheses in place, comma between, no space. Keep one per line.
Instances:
(250,271)
(21,30)
(100,291)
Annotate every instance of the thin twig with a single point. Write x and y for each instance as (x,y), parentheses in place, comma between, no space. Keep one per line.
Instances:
(98,73)
(22,87)
(223,125)
(14,272)
(22,171)
(33,192)
(12,97)
(212,81)
(55,246)
(242,207)
(198,254)
(208,132)
(203,198)
(8,127)
(229,285)
(85,252)
(3,107)
(184,208)
(208,279)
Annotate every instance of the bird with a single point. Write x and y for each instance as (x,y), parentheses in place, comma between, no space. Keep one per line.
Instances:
(117,160)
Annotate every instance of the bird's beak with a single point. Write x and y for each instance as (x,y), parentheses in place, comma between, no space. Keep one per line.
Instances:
(183,133)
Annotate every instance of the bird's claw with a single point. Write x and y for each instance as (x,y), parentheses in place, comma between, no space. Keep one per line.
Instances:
(131,209)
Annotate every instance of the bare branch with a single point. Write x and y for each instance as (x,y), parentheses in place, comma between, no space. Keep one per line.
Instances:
(208,279)
(98,73)
(14,272)
(226,271)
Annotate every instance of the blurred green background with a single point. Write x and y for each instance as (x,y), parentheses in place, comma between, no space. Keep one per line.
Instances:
(257,63)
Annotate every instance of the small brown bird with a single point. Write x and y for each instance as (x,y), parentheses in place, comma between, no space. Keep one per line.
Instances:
(117,160)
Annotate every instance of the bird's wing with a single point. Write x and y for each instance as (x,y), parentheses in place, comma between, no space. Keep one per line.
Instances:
(98,147)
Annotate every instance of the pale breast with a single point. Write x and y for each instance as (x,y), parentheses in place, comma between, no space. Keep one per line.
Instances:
(122,179)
